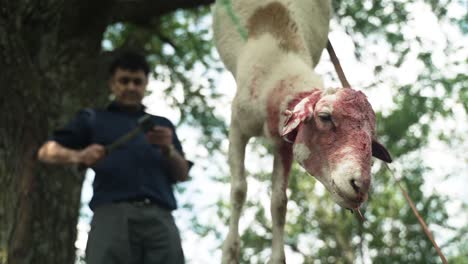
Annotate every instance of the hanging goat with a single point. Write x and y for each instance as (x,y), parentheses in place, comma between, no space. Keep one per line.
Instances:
(330,133)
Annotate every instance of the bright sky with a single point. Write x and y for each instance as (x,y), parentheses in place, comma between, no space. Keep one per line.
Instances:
(443,159)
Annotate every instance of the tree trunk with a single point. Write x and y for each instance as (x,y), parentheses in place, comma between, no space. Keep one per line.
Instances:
(39,203)
(48,73)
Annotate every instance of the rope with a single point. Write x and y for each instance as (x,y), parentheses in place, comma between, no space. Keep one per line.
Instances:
(337,65)
(418,216)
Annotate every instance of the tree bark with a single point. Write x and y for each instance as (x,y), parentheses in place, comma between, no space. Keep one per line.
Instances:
(50,67)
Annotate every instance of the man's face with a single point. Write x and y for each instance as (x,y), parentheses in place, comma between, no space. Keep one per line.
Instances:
(128,86)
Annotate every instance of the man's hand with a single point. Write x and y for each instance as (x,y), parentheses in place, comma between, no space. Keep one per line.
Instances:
(53,152)
(91,154)
(159,135)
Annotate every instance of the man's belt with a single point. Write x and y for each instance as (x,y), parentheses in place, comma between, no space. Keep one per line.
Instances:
(140,201)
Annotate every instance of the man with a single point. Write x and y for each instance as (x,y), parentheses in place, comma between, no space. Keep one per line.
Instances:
(133,196)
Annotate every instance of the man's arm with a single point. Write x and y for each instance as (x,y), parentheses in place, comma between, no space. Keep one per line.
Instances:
(163,136)
(54,153)
(177,163)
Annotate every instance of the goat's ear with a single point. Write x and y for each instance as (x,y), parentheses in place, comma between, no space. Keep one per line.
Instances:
(380,152)
(302,111)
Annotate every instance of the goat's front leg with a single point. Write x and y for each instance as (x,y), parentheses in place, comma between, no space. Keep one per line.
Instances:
(237,143)
(281,168)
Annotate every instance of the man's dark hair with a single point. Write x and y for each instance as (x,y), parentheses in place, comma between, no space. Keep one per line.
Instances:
(129,60)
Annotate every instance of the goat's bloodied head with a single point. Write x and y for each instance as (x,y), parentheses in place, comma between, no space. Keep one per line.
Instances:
(333,133)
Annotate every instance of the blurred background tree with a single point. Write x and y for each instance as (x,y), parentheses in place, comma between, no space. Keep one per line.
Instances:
(53,56)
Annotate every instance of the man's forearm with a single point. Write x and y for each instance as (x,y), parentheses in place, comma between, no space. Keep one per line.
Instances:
(53,152)
(177,165)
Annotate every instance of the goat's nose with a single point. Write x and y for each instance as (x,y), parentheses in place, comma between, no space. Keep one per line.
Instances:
(359,185)
(355,186)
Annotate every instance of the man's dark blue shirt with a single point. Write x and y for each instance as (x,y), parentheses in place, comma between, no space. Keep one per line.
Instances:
(135,170)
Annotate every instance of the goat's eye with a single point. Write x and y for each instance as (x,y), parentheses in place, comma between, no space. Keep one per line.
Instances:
(325,117)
